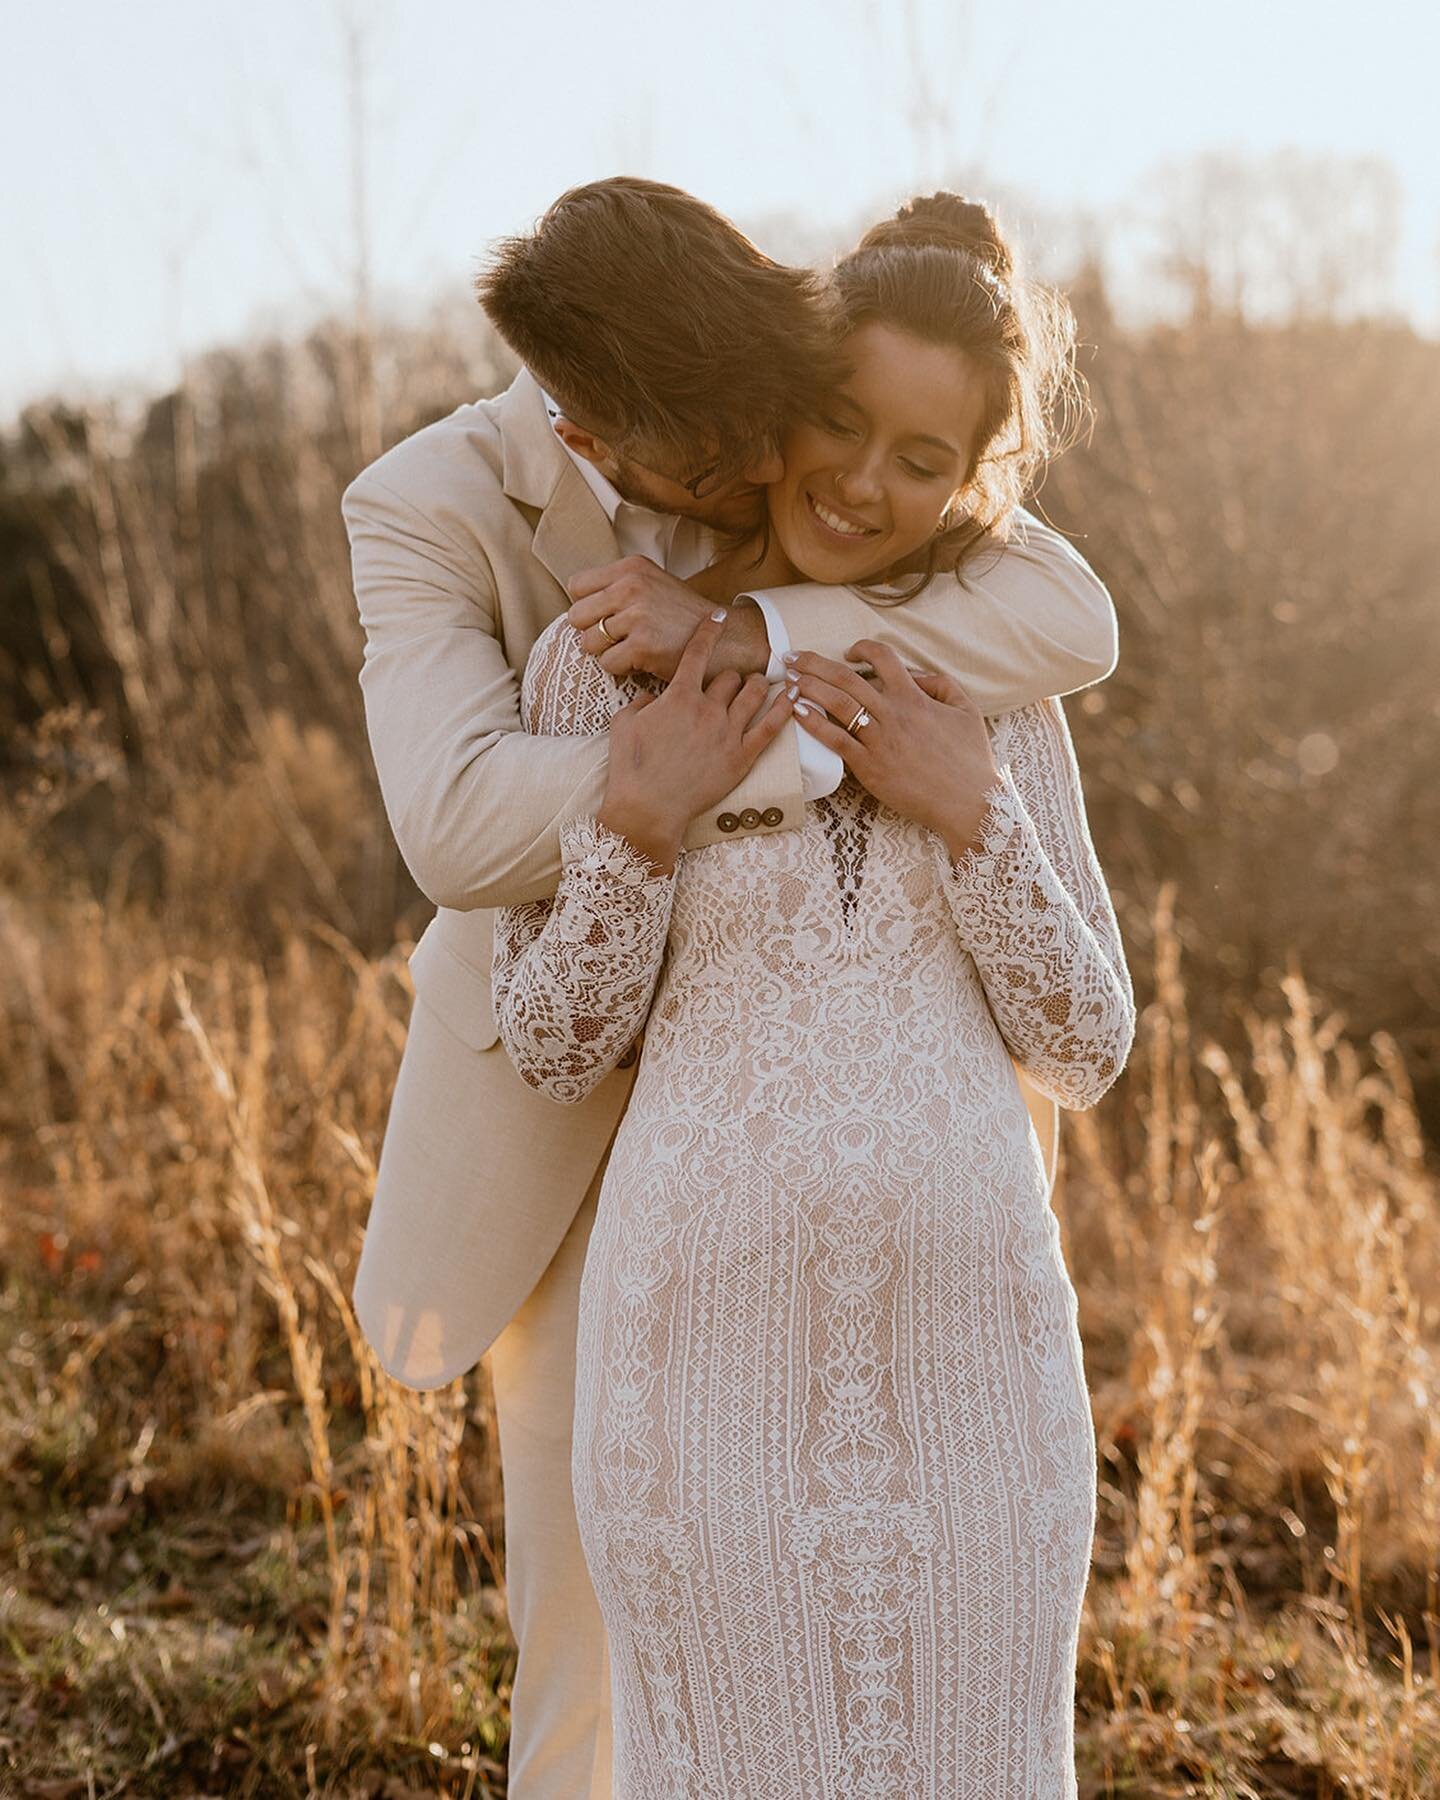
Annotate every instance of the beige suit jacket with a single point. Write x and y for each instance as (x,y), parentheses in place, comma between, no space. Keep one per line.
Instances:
(462,537)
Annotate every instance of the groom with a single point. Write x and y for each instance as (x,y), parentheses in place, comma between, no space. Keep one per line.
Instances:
(663,355)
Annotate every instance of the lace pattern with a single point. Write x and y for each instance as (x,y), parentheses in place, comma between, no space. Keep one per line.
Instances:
(846,816)
(572,977)
(1047,945)
(833,1460)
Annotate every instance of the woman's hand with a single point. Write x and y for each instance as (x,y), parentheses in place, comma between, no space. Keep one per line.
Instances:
(675,753)
(926,751)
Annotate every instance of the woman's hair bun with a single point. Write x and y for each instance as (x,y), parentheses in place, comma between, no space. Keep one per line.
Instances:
(944,221)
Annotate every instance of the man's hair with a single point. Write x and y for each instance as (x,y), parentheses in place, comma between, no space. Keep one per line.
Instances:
(652,321)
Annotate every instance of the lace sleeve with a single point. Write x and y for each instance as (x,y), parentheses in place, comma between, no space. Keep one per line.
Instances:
(1033,909)
(572,978)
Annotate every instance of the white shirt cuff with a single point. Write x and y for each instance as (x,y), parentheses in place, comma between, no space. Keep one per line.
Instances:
(821,768)
(775,631)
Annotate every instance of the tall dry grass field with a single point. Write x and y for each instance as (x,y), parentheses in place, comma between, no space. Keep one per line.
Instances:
(238,1559)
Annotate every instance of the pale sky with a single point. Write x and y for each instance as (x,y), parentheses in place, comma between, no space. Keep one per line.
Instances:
(178,175)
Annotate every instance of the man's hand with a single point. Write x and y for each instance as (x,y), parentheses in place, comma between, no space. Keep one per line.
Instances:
(675,753)
(650,616)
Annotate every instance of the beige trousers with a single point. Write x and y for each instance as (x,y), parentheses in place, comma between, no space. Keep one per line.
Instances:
(560,1743)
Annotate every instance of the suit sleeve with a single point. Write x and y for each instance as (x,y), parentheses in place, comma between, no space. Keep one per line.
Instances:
(1032,908)
(474,803)
(1021,621)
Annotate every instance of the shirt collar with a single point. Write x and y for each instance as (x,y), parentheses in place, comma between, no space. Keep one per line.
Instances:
(600,486)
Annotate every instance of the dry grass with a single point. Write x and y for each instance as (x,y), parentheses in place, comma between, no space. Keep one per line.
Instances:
(195,1430)
(244,1561)
(1258,1302)
(241,1561)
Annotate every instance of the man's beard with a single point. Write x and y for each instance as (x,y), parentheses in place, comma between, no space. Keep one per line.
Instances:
(629,483)
(742,513)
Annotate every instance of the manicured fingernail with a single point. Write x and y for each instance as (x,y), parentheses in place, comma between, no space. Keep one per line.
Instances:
(792,690)
(802,706)
(788,656)
(719,613)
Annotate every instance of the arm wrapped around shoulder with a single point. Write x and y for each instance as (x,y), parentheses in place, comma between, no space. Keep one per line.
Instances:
(1022,619)
(474,802)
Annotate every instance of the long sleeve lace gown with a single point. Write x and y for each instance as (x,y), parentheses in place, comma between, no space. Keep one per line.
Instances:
(834,1464)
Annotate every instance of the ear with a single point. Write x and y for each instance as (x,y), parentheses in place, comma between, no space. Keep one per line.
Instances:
(585,443)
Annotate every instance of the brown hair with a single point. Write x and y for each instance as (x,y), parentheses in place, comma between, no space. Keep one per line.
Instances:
(655,323)
(941,270)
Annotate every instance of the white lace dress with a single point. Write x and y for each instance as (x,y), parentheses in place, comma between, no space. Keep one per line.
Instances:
(834,1464)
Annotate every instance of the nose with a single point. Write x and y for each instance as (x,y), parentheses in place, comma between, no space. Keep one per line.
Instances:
(768,467)
(859,485)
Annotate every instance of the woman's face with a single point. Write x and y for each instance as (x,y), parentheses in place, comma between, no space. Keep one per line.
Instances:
(868,487)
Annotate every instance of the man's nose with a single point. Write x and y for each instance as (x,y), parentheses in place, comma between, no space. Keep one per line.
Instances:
(768,466)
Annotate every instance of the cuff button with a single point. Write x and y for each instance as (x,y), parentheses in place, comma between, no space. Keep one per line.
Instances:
(727,821)
(750,818)
(772,815)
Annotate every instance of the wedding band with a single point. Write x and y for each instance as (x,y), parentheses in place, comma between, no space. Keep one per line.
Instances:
(606,634)
(861,718)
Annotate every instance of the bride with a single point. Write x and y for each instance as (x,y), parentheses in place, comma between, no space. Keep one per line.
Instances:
(834,1464)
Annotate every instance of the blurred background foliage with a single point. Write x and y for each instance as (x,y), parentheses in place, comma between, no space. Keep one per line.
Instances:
(1255,495)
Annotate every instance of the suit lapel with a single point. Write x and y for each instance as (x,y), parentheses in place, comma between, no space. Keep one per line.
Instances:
(572,532)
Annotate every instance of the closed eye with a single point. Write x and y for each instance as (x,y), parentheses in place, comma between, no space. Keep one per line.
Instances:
(915,469)
(837,427)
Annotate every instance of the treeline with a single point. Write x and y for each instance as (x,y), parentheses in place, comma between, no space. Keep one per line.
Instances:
(179,645)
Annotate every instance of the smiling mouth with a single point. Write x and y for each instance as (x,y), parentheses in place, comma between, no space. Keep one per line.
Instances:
(845,531)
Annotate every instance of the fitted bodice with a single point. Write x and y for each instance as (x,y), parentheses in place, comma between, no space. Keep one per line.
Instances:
(819,971)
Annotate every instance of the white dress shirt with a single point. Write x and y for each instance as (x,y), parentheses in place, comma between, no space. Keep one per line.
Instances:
(682,547)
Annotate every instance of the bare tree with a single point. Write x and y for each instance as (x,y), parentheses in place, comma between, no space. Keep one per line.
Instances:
(355,35)
(1295,235)
(1336,228)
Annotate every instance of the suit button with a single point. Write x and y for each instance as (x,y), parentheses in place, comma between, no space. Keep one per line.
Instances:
(749,818)
(772,815)
(727,821)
